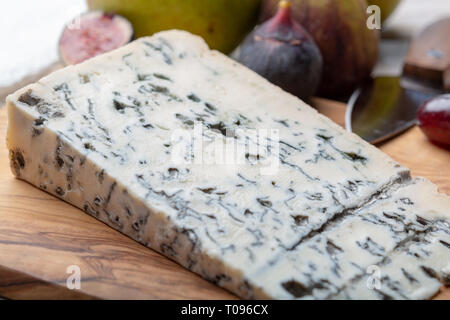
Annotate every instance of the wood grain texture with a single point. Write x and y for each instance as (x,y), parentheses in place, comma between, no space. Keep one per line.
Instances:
(40,236)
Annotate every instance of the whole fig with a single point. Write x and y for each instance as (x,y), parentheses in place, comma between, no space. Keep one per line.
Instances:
(339,27)
(284,53)
(387,7)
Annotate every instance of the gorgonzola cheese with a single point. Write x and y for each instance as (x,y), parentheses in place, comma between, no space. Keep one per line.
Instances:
(133,138)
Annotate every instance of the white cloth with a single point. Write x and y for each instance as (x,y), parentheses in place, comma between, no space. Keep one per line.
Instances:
(29,32)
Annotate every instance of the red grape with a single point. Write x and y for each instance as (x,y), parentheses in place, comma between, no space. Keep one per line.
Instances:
(434,119)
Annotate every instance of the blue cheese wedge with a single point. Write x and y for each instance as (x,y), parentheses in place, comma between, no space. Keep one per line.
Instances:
(202,160)
(396,246)
(415,260)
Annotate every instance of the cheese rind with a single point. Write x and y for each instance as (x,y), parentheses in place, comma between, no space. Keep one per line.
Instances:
(108,135)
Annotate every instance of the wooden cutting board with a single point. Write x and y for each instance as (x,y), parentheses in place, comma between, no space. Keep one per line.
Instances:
(41,236)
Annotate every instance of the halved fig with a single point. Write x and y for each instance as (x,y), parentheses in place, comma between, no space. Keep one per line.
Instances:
(93,33)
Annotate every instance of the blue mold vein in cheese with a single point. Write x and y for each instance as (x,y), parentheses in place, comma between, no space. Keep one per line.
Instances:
(302,212)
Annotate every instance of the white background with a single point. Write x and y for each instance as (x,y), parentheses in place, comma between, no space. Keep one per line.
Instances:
(29,33)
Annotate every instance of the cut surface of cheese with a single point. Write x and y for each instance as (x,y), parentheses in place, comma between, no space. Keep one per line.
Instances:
(199,158)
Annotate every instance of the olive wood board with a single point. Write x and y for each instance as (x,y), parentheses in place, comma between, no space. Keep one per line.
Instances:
(41,236)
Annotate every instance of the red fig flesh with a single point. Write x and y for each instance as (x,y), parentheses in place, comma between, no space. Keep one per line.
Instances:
(92,34)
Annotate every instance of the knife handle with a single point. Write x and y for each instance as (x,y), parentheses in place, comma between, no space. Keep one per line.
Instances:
(428,59)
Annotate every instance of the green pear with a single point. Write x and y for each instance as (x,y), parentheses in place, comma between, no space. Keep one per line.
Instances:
(222,23)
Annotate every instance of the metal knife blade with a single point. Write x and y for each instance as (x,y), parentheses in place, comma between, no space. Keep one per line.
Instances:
(387,105)
(384,108)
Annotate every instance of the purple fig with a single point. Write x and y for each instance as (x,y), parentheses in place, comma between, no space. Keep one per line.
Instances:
(284,53)
(339,27)
(93,33)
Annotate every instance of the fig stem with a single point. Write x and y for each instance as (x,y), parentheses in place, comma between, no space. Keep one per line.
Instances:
(283,15)
(285,4)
